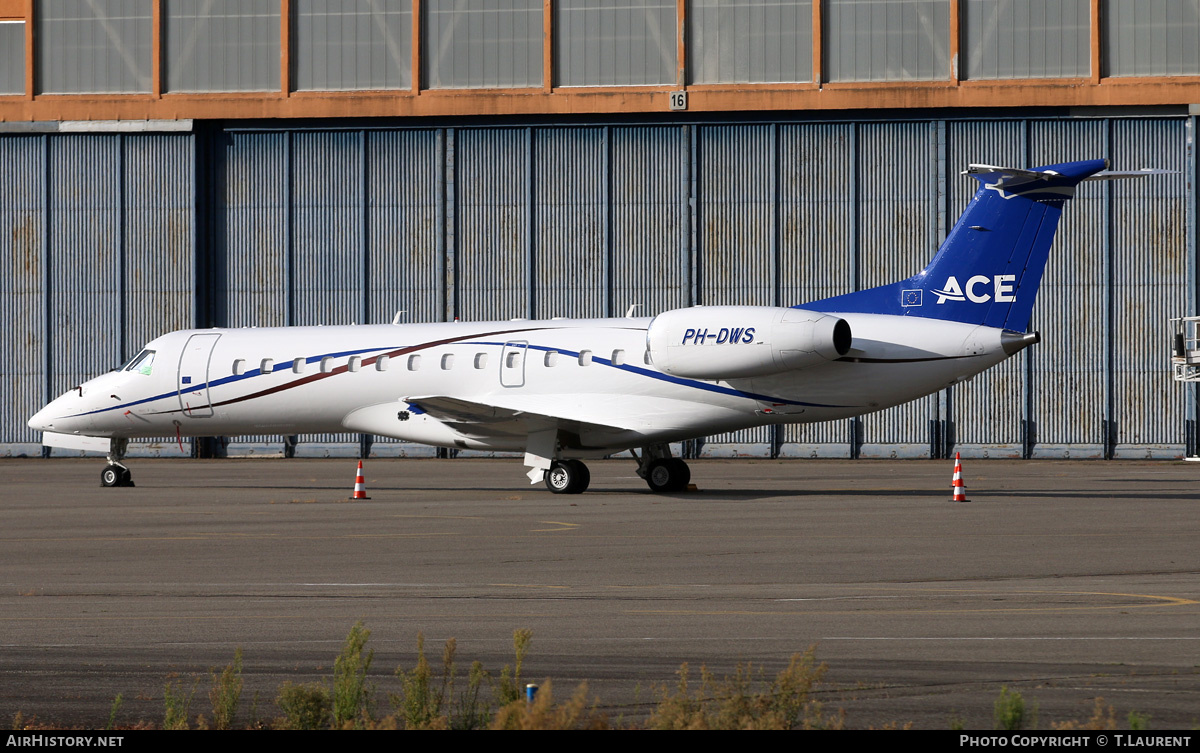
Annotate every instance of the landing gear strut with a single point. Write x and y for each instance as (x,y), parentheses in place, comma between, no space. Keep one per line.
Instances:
(567,477)
(115,473)
(663,473)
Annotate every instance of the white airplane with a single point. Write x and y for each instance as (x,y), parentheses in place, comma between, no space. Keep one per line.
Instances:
(564,390)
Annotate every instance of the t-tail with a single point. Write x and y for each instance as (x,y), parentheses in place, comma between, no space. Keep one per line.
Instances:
(989,267)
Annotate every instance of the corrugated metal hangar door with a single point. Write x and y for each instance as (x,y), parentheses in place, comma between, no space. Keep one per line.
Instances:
(106,240)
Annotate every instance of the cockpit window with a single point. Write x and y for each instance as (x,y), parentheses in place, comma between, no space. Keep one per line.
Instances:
(142,363)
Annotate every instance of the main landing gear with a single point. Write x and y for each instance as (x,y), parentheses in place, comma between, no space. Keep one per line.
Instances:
(663,473)
(115,473)
(567,477)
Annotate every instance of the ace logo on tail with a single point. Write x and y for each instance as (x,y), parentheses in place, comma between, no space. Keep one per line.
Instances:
(977,289)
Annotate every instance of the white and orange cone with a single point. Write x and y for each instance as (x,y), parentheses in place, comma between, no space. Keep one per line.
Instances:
(957,487)
(360,486)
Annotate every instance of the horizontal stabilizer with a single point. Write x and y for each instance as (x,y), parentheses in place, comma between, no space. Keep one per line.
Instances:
(1123,174)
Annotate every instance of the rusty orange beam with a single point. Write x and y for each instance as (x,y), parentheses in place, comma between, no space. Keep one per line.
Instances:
(955,38)
(818,36)
(156,48)
(588,100)
(416,46)
(285,47)
(30,82)
(547,46)
(11,10)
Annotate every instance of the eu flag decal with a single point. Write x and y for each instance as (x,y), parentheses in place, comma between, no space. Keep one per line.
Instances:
(910,297)
(187,380)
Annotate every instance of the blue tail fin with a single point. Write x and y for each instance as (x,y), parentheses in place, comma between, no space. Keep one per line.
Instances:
(989,267)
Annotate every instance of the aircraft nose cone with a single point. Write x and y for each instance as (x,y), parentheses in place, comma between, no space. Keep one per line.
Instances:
(40,421)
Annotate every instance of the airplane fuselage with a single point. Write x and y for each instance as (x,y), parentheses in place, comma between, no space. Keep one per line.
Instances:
(595,374)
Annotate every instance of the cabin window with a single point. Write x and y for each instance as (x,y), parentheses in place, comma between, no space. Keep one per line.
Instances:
(512,360)
(355,363)
(414,363)
(267,366)
(381,363)
(585,357)
(618,357)
(239,366)
(480,360)
(142,363)
(447,361)
(298,366)
(326,364)
(551,358)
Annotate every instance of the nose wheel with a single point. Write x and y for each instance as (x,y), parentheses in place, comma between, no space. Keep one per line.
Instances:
(116,475)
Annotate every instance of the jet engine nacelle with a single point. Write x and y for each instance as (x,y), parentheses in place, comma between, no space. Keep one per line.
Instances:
(728,342)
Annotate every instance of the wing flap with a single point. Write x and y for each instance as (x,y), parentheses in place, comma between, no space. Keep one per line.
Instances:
(474,418)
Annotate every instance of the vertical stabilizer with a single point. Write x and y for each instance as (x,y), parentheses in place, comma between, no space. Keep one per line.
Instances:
(989,267)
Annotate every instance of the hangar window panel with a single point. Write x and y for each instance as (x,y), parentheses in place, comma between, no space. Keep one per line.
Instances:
(1026,39)
(477,44)
(749,41)
(12,57)
(99,46)
(1151,37)
(221,45)
(623,44)
(352,44)
(887,40)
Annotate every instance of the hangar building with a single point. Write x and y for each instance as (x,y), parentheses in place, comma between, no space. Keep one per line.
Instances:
(167,164)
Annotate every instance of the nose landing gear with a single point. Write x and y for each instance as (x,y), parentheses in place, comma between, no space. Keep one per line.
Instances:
(115,473)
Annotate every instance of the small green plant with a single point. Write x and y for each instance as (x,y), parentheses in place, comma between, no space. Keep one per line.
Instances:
(508,687)
(470,712)
(1138,721)
(543,713)
(112,712)
(176,705)
(745,700)
(1010,712)
(419,704)
(226,691)
(958,722)
(352,695)
(304,705)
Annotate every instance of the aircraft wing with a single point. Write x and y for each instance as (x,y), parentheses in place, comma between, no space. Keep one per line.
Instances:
(480,419)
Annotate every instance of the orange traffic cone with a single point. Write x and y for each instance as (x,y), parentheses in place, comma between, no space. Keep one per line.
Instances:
(360,486)
(957,487)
